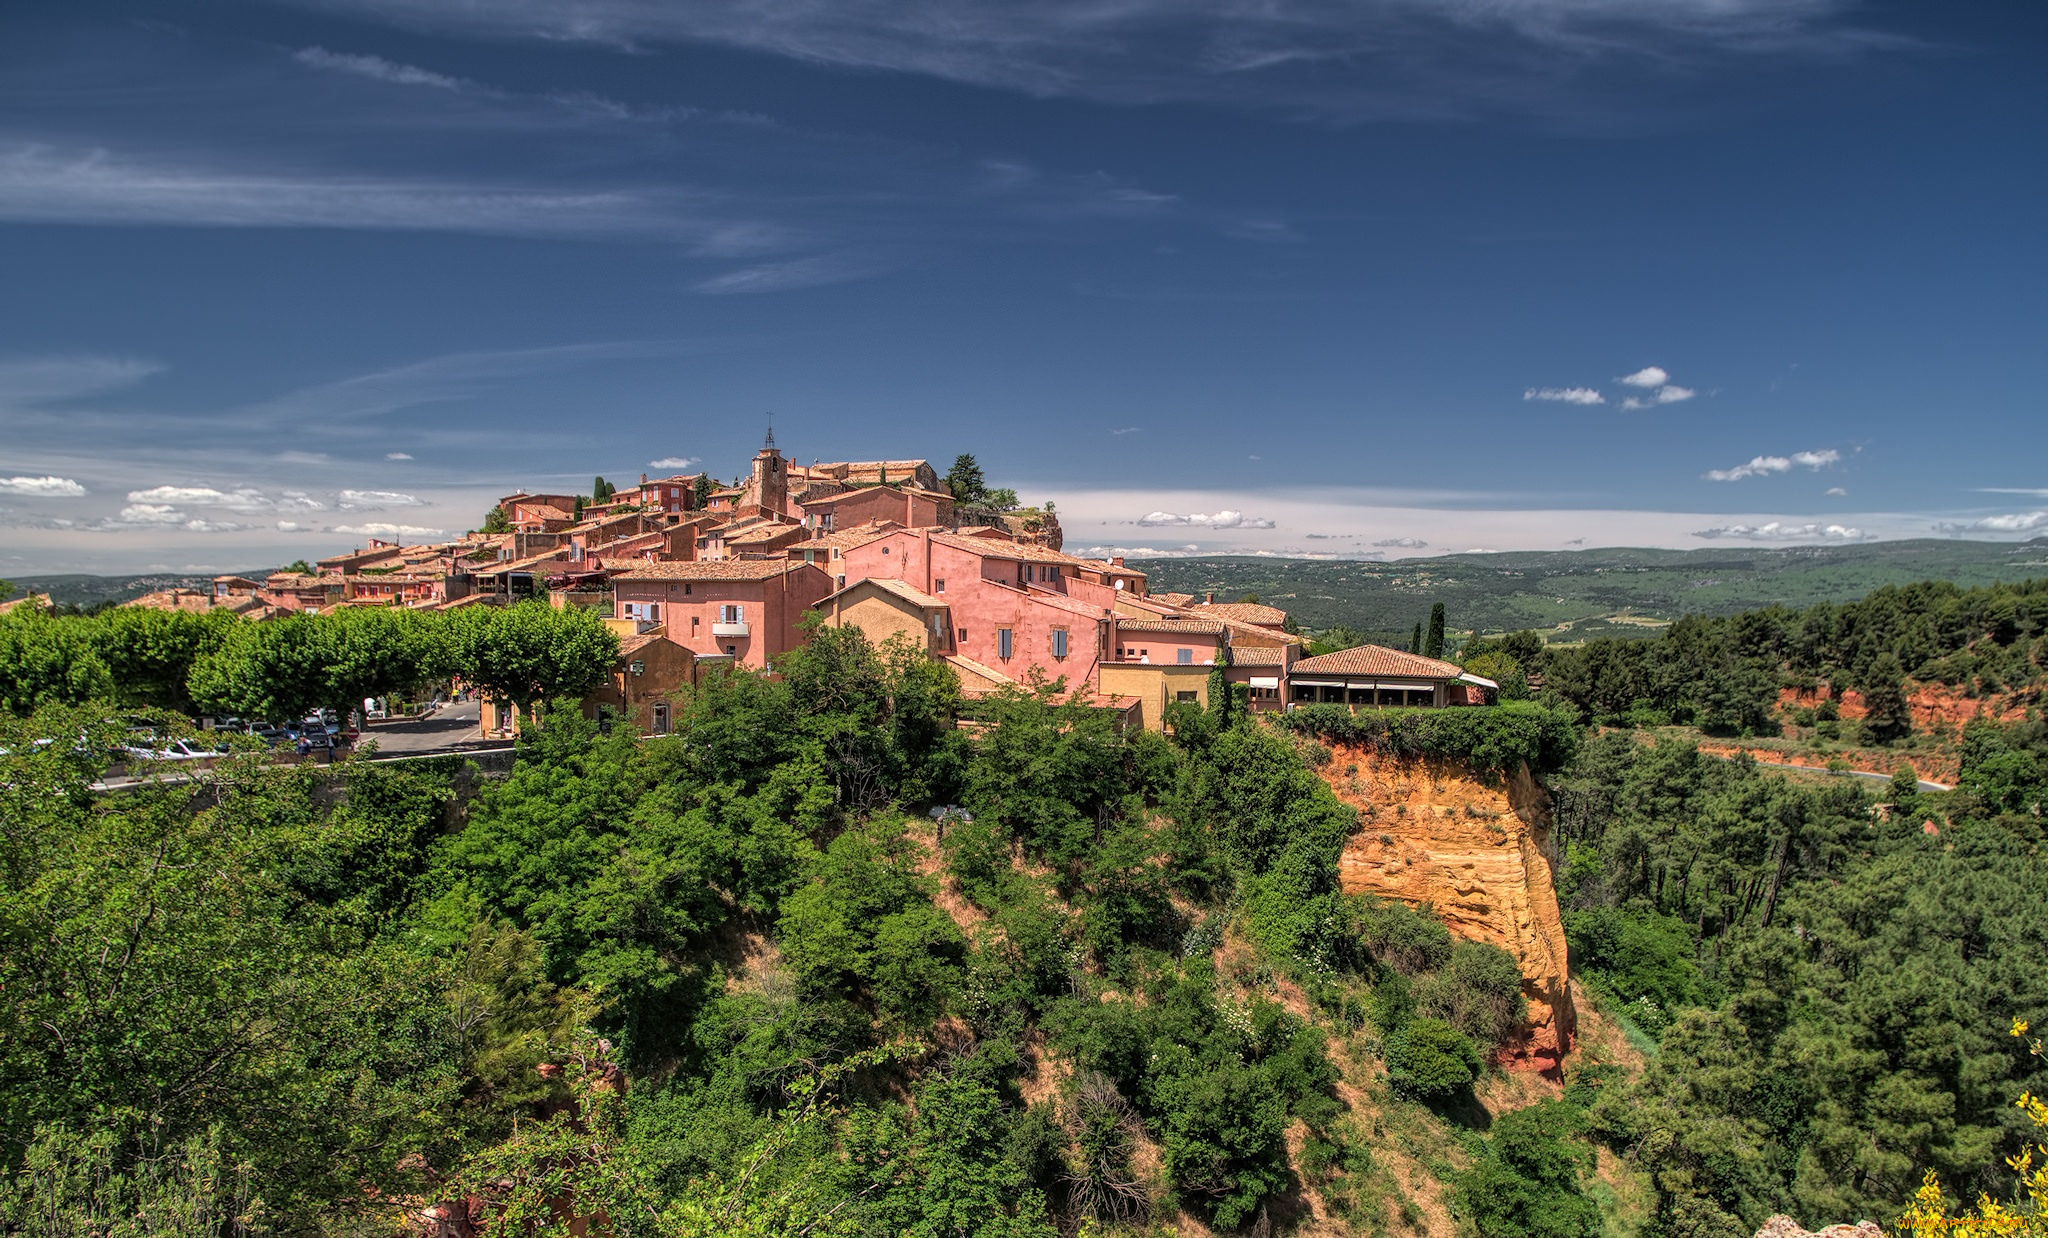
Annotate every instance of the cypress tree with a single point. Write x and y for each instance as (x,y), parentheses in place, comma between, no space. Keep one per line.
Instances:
(1415,641)
(1220,702)
(1433,645)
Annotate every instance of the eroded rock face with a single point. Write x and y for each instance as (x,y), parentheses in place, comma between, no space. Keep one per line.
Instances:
(1481,856)
(1782,1226)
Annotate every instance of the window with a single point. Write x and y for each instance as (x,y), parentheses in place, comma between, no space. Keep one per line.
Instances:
(1186,657)
(939,585)
(693,623)
(643,611)
(686,588)
(731,614)
(963,635)
(1059,642)
(1189,697)
(1004,641)
(885,550)
(841,580)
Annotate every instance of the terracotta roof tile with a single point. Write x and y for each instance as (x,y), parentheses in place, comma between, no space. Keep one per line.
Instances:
(1376,660)
(1253,655)
(1243,612)
(1206,627)
(1172,599)
(721,569)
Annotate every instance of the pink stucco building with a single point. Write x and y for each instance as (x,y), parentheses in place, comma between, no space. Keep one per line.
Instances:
(745,610)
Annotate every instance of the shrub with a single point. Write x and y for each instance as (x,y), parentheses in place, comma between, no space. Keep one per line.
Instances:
(1428,1059)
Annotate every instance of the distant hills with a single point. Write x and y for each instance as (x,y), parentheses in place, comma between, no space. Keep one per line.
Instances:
(1578,593)
(1572,594)
(76,589)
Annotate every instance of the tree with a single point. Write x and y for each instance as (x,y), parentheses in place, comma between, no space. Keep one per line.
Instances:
(495,521)
(1886,712)
(269,671)
(45,659)
(965,481)
(150,653)
(1415,641)
(600,489)
(532,652)
(700,492)
(1221,705)
(1433,644)
(300,566)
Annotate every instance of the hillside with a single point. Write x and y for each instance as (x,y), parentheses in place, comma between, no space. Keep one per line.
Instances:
(1582,588)
(79,589)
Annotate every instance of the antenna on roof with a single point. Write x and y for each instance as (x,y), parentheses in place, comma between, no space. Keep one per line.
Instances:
(771,437)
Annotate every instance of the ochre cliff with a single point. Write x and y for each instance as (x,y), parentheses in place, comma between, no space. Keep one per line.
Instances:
(1481,856)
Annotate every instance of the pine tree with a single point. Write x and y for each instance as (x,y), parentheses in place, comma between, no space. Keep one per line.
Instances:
(1433,645)
(965,481)
(1415,641)
(1886,714)
(701,491)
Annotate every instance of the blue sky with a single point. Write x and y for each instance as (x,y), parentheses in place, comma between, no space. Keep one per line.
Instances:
(1296,276)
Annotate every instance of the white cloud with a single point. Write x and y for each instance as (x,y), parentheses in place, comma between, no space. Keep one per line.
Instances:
(1836,492)
(300,501)
(40,184)
(375,500)
(1134,430)
(380,529)
(1225,519)
(1759,466)
(1648,376)
(39,380)
(2011,522)
(1403,60)
(786,276)
(1778,531)
(240,499)
(398,455)
(376,68)
(41,487)
(1663,395)
(1565,395)
(149,514)
(1401,543)
(293,526)
(672,462)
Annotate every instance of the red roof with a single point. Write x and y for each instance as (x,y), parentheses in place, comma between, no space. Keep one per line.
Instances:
(1243,612)
(1376,660)
(720,569)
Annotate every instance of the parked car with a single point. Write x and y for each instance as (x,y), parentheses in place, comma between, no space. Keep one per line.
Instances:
(170,750)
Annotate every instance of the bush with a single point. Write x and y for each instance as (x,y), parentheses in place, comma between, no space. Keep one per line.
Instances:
(1428,1059)
(1495,740)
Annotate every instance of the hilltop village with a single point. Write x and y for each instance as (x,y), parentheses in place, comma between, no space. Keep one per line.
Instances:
(691,573)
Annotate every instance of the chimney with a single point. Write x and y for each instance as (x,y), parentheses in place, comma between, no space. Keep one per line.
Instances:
(643,479)
(1208,599)
(1118,561)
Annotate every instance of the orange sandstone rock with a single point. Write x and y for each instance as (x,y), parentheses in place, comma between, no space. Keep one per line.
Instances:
(1481,856)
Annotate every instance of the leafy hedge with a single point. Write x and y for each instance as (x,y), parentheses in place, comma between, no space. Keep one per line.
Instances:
(1494,739)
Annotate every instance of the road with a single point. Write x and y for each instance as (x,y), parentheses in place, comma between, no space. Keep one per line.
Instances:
(452,729)
(1853,773)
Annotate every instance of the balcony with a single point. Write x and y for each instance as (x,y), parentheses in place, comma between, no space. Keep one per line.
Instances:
(730,629)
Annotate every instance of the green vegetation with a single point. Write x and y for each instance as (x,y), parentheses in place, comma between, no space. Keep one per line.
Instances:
(1543,589)
(1496,740)
(282,669)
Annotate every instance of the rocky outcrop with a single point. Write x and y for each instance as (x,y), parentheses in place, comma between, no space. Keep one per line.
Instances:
(1782,1226)
(1482,857)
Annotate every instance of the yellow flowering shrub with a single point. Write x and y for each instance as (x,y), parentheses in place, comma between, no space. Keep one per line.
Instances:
(1933,1215)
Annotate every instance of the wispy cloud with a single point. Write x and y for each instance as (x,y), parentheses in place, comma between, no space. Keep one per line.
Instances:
(1759,466)
(672,462)
(1648,376)
(28,381)
(1400,543)
(2010,522)
(1670,393)
(240,499)
(398,455)
(1225,519)
(376,68)
(377,500)
(42,184)
(1565,395)
(380,529)
(1837,492)
(1780,531)
(1357,61)
(41,487)
(809,272)
(1123,430)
